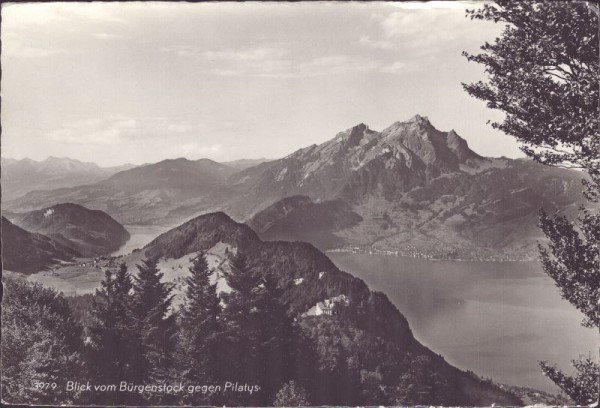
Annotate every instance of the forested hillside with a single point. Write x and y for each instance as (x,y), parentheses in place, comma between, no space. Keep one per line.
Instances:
(89,232)
(260,340)
(27,252)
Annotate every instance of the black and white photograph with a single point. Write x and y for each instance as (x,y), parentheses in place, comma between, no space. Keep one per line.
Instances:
(297,204)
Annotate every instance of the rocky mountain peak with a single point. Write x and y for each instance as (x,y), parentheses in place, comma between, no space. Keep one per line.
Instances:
(357,133)
(441,149)
(421,120)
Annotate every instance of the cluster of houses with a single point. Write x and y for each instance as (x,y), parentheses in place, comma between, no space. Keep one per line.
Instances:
(97,262)
(327,306)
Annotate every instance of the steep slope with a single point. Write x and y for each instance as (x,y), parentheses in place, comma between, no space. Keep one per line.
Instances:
(307,276)
(26,252)
(22,176)
(478,213)
(356,163)
(141,195)
(299,218)
(89,232)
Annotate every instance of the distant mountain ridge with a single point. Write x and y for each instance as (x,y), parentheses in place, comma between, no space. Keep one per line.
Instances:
(22,176)
(416,189)
(141,195)
(89,232)
(242,164)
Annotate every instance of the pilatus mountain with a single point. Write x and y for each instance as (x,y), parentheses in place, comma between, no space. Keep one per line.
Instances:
(409,188)
(360,162)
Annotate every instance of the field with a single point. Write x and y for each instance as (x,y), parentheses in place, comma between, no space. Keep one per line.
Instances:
(84,275)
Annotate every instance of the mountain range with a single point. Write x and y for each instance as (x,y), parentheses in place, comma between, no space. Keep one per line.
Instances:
(409,188)
(142,195)
(22,176)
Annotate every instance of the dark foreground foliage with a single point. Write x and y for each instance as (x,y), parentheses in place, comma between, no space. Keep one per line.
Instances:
(248,337)
(543,74)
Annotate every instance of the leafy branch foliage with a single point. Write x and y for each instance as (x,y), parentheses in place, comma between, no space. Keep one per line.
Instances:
(40,344)
(544,74)
(572,259)
(583,387)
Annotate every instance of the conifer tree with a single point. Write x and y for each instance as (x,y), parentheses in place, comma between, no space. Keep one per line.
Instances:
(113,333)
(259,330)
(154,325)
(198,347)
(240,317)
(276,337)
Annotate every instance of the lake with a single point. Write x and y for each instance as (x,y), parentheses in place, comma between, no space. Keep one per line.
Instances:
(497,319)
(140,236)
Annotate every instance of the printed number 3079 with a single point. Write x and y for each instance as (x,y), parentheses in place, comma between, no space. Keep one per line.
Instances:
(45,385)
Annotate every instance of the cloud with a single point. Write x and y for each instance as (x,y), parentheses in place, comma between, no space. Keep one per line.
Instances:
(336,64)
(14,46)
(271,62)
(244,55)
(257,61)
(48,13)
(398,67)
(197,150)
(117,130)
(228,55)
(47,29)
(420,29)
(428,5)
(20,51)
(31,14)
(382,44)
(107,36)
(106,13)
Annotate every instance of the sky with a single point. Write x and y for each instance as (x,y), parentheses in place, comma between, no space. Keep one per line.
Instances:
(116,83)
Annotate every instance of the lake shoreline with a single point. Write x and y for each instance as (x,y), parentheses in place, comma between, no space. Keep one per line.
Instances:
(497,319)
(424,257)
